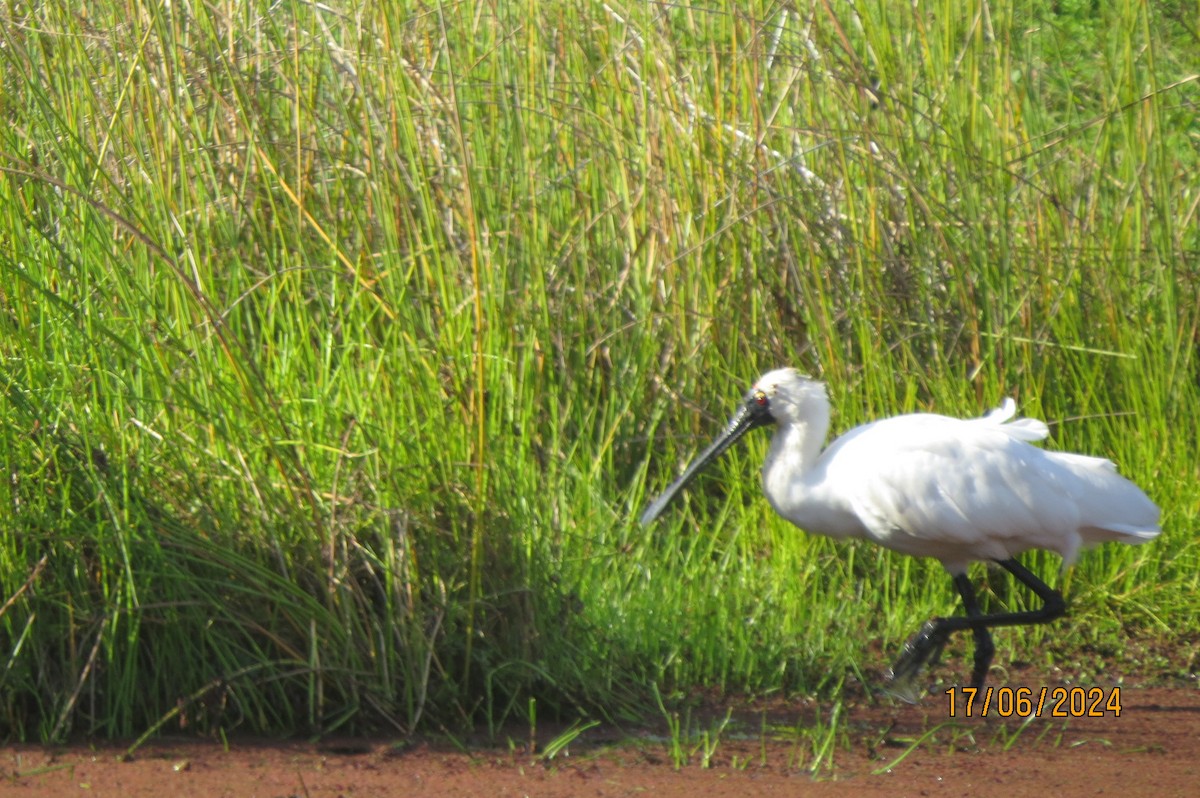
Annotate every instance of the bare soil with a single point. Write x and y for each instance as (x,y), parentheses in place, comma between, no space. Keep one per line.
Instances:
(885,749)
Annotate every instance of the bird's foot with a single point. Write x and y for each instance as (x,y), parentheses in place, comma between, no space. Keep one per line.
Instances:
(922,650)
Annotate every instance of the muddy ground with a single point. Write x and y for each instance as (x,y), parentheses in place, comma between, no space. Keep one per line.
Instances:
(884,748)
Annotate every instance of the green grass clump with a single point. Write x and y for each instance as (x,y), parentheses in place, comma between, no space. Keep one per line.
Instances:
(341,346)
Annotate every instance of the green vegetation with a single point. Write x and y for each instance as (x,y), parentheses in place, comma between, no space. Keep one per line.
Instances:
(341,345)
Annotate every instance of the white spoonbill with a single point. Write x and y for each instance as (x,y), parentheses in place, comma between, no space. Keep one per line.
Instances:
(959,490)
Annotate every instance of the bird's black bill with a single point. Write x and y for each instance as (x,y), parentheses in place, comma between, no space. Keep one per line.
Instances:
(753,413)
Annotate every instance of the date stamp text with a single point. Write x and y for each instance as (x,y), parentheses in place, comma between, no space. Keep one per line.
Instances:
(1029,702)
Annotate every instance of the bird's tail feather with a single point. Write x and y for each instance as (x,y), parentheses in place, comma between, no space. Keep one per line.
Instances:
(1120,510)
(1134,534)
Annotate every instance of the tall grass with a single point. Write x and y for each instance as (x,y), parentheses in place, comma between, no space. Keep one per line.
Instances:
(341,345)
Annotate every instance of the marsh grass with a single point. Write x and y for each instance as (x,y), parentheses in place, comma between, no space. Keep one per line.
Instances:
(342,345)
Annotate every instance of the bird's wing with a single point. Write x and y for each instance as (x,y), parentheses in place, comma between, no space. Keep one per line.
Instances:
(954,489)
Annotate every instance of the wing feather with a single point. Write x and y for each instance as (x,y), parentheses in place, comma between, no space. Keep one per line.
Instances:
(957,489)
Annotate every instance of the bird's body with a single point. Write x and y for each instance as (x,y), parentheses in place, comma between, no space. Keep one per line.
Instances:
(954,489)
(958,490)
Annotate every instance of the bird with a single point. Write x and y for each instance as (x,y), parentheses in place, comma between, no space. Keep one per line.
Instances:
(926,485)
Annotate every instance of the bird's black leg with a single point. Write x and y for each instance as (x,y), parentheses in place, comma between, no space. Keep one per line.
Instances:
(984,649)
(924,647)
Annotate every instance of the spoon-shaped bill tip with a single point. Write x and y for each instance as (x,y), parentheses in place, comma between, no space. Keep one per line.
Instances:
(655,508)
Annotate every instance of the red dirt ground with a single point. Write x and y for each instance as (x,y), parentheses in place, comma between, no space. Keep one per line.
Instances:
(1152,748)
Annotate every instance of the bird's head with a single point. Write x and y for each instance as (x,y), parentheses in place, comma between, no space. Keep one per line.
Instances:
(789,395)
(779,396)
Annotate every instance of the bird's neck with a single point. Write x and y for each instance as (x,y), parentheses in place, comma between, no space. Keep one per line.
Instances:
(794,450)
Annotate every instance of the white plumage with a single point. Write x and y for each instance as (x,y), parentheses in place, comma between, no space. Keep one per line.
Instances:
(934,486)
(958,490)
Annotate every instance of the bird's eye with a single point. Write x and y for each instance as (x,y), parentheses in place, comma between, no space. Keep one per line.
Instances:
(760,398)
